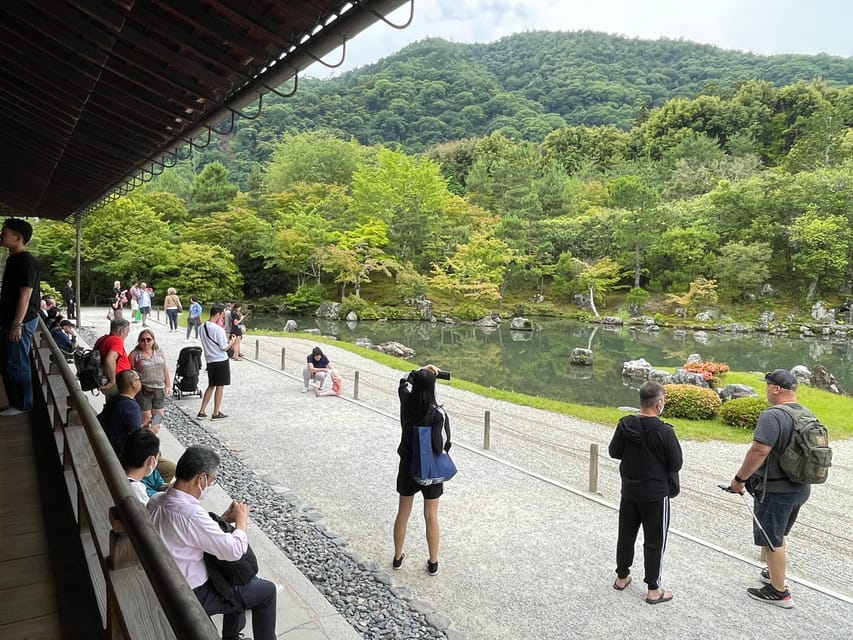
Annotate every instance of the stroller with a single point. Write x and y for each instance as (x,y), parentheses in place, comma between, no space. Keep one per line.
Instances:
(187,372)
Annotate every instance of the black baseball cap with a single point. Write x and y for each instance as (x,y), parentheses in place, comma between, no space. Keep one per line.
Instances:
(782,378)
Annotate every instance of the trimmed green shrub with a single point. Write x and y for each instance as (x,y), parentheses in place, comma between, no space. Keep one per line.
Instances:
(691,402)
(742,412)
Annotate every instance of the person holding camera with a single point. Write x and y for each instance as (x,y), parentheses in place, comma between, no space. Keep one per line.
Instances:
(418,407)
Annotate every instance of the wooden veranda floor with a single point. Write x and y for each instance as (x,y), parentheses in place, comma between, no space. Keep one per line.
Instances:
(44,585)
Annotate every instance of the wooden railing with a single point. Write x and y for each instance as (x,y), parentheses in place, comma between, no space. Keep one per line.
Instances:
(140,592)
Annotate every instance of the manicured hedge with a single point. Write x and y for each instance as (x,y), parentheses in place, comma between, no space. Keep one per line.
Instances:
(691,402)
(742,412)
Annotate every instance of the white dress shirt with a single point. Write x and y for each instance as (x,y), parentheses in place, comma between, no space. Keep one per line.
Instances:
(188,532)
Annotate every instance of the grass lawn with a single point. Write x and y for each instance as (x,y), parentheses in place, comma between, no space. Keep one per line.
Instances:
(833,410)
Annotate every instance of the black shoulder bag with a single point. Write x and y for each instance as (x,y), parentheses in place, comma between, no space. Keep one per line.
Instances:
(672,479)
(225,574)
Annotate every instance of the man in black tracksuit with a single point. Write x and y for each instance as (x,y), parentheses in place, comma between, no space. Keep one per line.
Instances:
(651,459)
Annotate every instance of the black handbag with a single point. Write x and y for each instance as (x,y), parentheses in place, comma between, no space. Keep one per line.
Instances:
(225,574)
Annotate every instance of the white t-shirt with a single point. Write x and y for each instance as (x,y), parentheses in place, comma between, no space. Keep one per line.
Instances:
(214,342)
(139,490)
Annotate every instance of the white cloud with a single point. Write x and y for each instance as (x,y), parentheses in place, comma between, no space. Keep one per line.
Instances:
(761,26)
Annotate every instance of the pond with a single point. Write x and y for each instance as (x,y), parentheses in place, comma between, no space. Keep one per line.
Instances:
(537,363)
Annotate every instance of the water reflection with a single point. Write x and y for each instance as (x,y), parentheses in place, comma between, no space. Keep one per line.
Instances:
(538,363)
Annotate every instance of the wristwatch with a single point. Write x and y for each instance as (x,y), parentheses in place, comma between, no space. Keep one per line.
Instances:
(739,479)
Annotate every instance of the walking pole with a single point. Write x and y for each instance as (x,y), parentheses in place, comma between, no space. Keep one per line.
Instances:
(728,489)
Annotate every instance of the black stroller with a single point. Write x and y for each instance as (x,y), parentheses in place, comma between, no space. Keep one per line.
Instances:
(187,372)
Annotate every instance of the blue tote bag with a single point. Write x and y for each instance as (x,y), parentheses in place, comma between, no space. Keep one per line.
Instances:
(427,467)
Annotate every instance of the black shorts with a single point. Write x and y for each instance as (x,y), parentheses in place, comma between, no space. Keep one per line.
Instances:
(218,374)
(406,485)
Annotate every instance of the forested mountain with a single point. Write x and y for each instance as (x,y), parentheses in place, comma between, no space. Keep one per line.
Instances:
(525,85)
(701,196)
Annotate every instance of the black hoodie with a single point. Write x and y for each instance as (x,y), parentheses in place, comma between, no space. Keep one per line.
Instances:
(649,452)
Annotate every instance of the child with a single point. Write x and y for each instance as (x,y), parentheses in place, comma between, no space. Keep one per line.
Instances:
(337,384)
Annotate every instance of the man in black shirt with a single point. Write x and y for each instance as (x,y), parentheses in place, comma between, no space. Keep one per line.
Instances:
(651,459)
(19,312)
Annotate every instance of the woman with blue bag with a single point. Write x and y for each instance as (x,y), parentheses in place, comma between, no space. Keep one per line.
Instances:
(422,420)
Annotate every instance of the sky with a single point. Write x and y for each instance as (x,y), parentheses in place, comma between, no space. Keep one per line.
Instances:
(759,26)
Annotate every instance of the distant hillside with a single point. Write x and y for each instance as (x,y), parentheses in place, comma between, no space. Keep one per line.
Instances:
(527,85)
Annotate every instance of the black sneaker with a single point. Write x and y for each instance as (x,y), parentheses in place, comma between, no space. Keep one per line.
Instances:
(432,568)
(398,562)
(218,416)
(764,576)
(769,595)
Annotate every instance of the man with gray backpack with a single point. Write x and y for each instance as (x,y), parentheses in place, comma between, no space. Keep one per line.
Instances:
(790,452)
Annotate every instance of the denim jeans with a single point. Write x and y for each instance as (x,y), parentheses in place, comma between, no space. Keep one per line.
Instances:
(17,374)
(173,318)
(192,324)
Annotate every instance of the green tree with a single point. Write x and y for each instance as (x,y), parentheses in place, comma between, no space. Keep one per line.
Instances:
(313,156)
(211,191)
(822,249)
(742,267)
(598,279)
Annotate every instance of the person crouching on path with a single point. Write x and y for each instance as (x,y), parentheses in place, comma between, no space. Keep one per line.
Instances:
(215,345)
(650,455)
(418,407)
(317,368)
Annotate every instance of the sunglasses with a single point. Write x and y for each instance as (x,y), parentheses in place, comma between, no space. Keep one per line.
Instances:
(146,339)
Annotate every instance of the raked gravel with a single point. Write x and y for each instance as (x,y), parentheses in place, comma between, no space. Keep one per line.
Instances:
(527,551)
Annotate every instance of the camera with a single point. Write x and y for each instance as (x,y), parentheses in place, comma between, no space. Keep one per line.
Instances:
(443,375)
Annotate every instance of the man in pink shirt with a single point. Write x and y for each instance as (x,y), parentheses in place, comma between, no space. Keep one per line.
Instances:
(189,532)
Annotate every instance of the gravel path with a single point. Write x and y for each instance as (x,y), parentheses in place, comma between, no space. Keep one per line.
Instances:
(526,552)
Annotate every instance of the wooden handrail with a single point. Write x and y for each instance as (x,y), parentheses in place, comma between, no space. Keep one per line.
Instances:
(181,608)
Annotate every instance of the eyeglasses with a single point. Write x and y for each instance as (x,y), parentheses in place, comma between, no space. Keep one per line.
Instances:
(146,339)
(211,478)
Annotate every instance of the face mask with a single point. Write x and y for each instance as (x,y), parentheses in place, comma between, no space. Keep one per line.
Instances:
(206,489)
(662,405)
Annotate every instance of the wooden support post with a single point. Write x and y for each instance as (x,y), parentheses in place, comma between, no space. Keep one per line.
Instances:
(593,468)
(355,387)
(487,430)
(282,358)
(257,348)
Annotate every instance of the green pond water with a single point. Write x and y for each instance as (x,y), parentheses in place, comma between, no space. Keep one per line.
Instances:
(537,363)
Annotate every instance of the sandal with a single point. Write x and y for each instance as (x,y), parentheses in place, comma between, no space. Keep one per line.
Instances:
(665,596)
(624,586)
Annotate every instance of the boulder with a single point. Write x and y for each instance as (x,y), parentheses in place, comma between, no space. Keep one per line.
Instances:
(520,323)
(581,356)
(688,377)
(290,326)
(701,337)
(313,332)
(823,379)
(823,314)
(367,343)
(352,316)
(487,322)
(694,357)
(395,349)
(767,317)
(806,331)
(636,369)
(767,291)
(732,391)
(582,300)
(329,310)
(612,320)
(709,315)
(679,334)
(659,376)
(803,374)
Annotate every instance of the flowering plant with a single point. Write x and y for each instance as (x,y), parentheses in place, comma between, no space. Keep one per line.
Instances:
(708,369)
